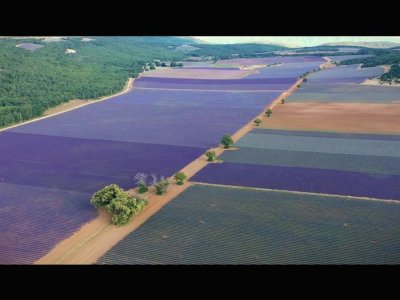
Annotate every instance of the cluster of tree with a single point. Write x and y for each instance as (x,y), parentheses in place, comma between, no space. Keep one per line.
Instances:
(317,48)
(380,57)
(175,64)
(160,184)
(33,81)
(392,75)
(119,203)
(219,52)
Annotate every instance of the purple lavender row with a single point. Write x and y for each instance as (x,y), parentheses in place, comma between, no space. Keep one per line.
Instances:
(303,180)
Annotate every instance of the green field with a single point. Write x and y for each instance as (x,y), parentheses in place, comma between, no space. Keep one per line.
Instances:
(218,225)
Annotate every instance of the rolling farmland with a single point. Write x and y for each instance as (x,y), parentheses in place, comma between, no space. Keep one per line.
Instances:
(311,162)
(208,223)
(214,225)
(76,153)
(50,168)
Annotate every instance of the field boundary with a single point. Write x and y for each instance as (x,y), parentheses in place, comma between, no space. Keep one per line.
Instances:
(348,197)
(87,246)
(127,88)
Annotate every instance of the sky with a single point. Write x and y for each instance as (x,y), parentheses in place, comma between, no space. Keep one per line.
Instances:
(295,41)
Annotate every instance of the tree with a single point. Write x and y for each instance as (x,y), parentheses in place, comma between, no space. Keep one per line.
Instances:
(299,85)
(163,64)
(173,64)
(141,182)
(268,113)
(160,184)
(283,100)
(152,67)
(257,122)
(180,65)
(226,141)
(180,177)
(211,155)
(119,203)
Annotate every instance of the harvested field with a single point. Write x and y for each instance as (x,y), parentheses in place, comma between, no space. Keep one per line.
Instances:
(345,117)
(215,225)
(199,73)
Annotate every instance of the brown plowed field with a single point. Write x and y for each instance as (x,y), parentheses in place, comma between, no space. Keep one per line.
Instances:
(345,117)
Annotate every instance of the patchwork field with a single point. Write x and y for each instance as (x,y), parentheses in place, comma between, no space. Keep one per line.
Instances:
(343,117)
(291,162)
(74,154)
(50,168)
(217,225)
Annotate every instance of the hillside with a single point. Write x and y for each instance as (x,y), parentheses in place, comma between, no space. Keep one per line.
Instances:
(390,57)
(33,81)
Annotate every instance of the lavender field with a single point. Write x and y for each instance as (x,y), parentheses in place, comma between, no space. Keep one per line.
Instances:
(216,225)
(62,160)
(252,84)
(344,74)
(33,219)
(312,180)
(362,165)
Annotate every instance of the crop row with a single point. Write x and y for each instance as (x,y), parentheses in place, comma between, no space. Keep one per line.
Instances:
(34,219)
(312,180)
(214,225)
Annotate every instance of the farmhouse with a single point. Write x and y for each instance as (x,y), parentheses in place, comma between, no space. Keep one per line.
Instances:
(70,51)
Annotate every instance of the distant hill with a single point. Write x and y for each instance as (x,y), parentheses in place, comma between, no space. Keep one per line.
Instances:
(365,44)
(175,40)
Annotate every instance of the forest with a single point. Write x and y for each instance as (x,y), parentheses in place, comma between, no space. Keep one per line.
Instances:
(389,57)
(218,52)
(33,81)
